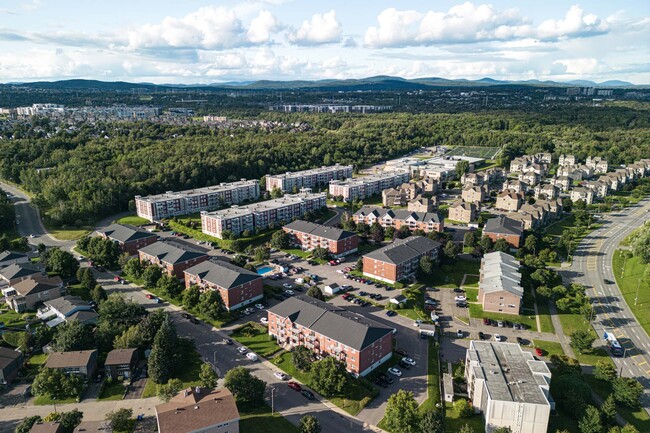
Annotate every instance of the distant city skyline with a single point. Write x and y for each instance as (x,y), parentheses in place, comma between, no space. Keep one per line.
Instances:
(201,42)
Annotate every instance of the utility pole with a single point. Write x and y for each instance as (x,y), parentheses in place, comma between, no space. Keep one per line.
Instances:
(636,297)
(272,400)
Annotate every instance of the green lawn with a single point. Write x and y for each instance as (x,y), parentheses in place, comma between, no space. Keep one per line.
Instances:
(258,419)
(476,311)
(629,280)
(197,234)
(11,318)
(189,374)
(134,220)
(549,347)
(34,363)
(574,322)
(638,418)
(544,316)
(43,400)
(471,281)
(78,290)
(433,379)
(67,233)
(112,391)
(255,336)
(453,421)
(472,295)
(451,275)
(557,228)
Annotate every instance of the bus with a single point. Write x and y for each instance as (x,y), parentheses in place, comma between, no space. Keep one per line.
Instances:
(613,344)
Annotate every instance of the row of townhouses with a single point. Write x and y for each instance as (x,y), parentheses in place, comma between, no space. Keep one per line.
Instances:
(397,218)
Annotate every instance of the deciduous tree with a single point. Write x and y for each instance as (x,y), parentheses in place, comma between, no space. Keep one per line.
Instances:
(309,424)
(402,413)
(328,376)
(208,376)
(244,386)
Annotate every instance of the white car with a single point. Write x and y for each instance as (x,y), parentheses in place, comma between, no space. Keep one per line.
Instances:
(417,323)
(280,375)
(460,298)
(259,306)
(409,361)
(460,333)
(287,286)
(264,321)
(395,371)
(242,350)
(497,337)
(31,236)
(340,271)
(430,301)
(251,356)
(289,292)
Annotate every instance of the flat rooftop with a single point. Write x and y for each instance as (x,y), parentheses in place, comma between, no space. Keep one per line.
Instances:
(199,191)
(368,179)
(287,200)
(310,172)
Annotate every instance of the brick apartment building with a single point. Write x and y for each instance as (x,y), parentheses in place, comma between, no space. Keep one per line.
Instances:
(171,204)
(399,260)
(308,178)
(425,221)
(307,236)
(199,410)
(360,343)
(259,216)
(504,227)
(499,288)
(367,186)
(237,286)
(129,239)
(171,259)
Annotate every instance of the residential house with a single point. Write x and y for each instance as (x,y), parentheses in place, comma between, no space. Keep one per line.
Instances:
(236,286)
(172,260)
(129,239)
(567,160)
(462,211)
(495,175)
(474,194)
(547,191)
(543,158)
(67,309)
(472,179)
(583,194)
(562,182)
(599,188)
(598,164)
(504,227)
(427,222)
(356,340)
(81,363)
(519,163)
(10,362)
(515,186)
(199,410)
(11,258)
(509,201)
(366,186)
(393,197)
(308,236)
(423,204)
(27,294)
(17,272)
(499,287)
(399,260)
(313,178)
(47,427)
(121,363)
(529,178)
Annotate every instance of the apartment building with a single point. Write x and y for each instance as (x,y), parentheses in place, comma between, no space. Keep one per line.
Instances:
(399,260)
(509,201)
(422,204)
(236,286)
(515,186)
(171,259)
(463,212)
(474,194)
(598,164)
(291,181)
(361,187)
(566,160)
(584,194)
(546,191)
(260,216)
(504,227)
(198,409)
(129,239)
(427,222)
(307,236)
(171,204)
(81,363)
(359,342)
(562,182)
(508,386)
(499,287)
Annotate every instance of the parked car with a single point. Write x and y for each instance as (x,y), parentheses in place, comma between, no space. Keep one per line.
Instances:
(539,352)
(228,341)
(417,322)
(308,394)
(259,306)
(289,292)
(251,356)
(458,290)
(294,385)
(380,382)
(481,335)
(242,350)
(409,361)
(404,365)
(497,337)
(264,321)
(460,333)
(280,375)
(391,313)
(520,341)
(460,298)
(500,323)
(395,371)
(385,378)
(486,321)
(401,352)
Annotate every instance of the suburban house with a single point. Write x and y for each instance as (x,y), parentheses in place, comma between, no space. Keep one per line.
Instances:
(359,342)
(508,386)
(566,160)
(121,362)
(462,211)
(399,260)
(546,191)
(307,236)
(171,259)
(427,222)
(599,188)
(11,258)
(499,287)
(474,194)
(199,410)
(307,178)
(67,309)
(584,194)
(598,164)
(423,204)
(171,204)
(77,363)
(17,272)
(93,427)
(530,178)
(562,182)
(509,201)
(10,362)
(504,227)
(27,294)
(361,187)
(237,286)
(129,239)
(472,179)
(47,427)
(516,186)
(262,215)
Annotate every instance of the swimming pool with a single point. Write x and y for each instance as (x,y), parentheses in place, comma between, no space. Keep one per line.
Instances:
(264,269)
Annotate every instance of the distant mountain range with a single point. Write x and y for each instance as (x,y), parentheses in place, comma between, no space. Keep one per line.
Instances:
(380,82)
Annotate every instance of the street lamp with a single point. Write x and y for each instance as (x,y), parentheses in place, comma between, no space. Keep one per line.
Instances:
(272,400)
(636,297)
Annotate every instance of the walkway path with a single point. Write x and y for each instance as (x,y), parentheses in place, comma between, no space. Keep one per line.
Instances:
(559,331)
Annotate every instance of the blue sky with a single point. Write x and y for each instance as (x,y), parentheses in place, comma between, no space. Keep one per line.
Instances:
(195,41)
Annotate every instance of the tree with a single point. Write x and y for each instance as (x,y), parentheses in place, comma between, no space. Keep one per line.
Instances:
(61,262)
(462,167)
(276,193)
(403,232)
(470,238)
(211,304)
(281,240)
(151,275)
(486,244)
(55,384)
(328,376)
(605,371)
(320,253)
(608,412)
(130,338)
(502,430)
(426,265)
(208,376)
(26,424)
(191,296)
(86,278)
(590,422)
(302,358)
(451,250)
(103,251)
(262,253)
(502,245)
(377,232)
(402,413)
(390,232)
(641,245)
(582,340)
(244,386)
(432,421)
(134,268)
(359,264)
(316,292)
(70,336)
(466,429)
(98,294)
(120,420)
(627,391)
(464,408)
(629,428)
(169,286)
(163,357)
(168,390)
(309,424)
(70,420)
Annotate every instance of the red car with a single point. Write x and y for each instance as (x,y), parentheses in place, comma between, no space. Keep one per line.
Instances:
(294,385)
(149,296)
(539,352)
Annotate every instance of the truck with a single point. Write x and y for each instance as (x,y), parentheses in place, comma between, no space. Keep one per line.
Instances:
(613,344)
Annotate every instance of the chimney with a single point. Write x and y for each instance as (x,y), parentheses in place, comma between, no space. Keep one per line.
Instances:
(186,393)
(197,390)
(196,407)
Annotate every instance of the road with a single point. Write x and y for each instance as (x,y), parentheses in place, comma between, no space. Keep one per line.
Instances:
(592,266)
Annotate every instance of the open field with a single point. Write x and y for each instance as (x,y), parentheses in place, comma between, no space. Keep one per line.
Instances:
(633,286)
(258,419)
(574,322)
(133,220)
(255,336)
(475,152)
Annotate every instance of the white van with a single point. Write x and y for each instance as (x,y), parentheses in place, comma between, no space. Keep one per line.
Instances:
(251,356)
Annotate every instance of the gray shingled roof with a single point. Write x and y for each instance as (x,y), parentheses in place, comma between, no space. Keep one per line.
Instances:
(401,214)
(402,250)
(325,232)
(223,274)
(66,304)
(18,270)
(169,253)
(504,225)
(7,356)
(124,233)
(350,329)
(5,256)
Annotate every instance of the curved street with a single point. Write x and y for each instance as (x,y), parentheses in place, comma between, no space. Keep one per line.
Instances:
(592,266)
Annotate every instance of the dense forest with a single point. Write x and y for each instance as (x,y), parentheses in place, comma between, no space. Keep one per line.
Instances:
(80,175)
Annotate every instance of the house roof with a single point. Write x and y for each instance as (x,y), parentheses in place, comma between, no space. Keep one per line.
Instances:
(462,204)
(46,427)
(192,411)
(503,225)
(400,214)
(79,358)
(402,250)
(32,286)
(7,356)
(120,356)
(348,328)
(93,426)
(122,233)
(19,270)
(5,256)
(169,253)
(82,316)
(68,304)
(222,273)
(500,272)
(322,231)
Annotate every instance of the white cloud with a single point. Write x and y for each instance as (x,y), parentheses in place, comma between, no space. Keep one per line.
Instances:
(321,29)
(580,66)
(396,28)
(262,27)
(575,23)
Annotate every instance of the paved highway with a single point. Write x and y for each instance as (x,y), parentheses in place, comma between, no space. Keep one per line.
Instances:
(592,266)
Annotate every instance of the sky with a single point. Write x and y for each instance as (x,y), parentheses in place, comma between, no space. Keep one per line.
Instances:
(201,42)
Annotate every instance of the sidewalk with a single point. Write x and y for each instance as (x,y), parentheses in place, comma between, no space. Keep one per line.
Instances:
(559,331)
